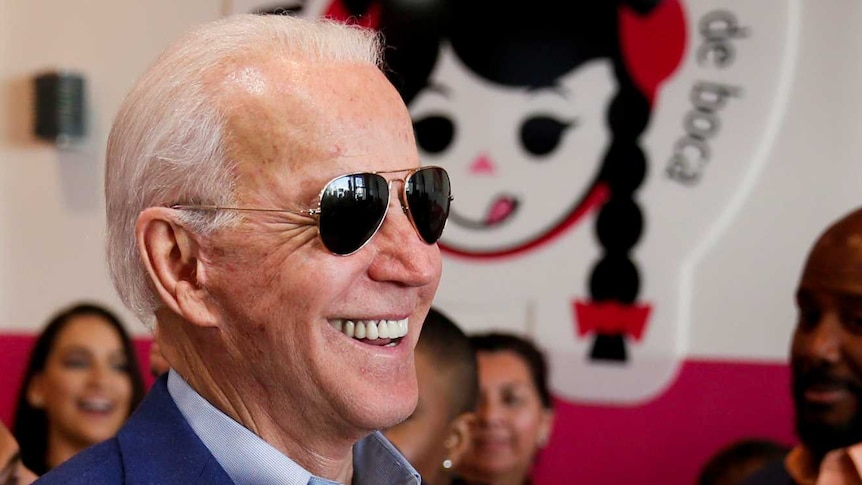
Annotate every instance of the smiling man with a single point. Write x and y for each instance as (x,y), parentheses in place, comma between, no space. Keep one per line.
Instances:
(266,208)
(826,360)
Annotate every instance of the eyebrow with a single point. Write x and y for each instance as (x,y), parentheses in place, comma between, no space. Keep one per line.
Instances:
(75,348)
(515,385)
(82,349)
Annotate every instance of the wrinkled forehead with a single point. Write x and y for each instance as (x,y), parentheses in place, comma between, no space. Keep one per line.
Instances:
(321,119)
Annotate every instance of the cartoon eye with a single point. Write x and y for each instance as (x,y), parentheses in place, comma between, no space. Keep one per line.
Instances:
(541,134)
(434,133)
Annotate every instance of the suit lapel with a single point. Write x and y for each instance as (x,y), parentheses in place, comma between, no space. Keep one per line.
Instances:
(159,447)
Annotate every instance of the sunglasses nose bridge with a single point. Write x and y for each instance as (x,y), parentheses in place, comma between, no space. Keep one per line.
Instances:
(399,194)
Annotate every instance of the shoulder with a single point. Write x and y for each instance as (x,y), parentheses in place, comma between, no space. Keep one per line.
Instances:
(773,473)
(98,465)
(155,446)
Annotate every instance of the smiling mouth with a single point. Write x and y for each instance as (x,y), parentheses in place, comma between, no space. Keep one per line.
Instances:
(382,333)
(96,405)
(500,210)
(492,443)
(825,393)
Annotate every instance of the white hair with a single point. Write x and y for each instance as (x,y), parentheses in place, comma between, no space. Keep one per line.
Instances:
(167,144)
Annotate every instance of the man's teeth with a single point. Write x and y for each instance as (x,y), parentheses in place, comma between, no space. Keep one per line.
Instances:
(371,329)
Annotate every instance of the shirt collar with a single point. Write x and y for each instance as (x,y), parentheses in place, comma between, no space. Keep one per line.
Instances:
(248,459)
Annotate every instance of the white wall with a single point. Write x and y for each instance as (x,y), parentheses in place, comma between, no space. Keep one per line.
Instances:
(51,203)
(743,306)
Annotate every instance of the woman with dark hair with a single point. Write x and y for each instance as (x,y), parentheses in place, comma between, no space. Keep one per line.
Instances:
(82,382)
(515,412)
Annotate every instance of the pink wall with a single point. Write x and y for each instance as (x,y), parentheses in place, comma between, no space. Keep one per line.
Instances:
(665,441)
(661,442)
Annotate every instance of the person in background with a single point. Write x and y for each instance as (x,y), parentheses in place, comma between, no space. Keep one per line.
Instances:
(12,469)
(515,414)
(826,364)
(81,383)
(735,462)
(268,218)
(436,435)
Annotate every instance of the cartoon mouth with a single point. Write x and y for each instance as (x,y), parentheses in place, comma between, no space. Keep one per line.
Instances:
(373,332)
(499,211)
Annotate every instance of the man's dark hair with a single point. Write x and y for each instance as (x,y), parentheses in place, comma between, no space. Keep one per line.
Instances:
(451,352)
(739,460)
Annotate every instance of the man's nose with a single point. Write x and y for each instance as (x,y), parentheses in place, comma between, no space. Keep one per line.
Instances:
(402,256)
(826,338)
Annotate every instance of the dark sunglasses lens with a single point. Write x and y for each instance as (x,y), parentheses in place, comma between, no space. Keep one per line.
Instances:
(428,197)
(352,207)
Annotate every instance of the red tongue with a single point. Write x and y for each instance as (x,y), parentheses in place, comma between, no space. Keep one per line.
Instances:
(500,210)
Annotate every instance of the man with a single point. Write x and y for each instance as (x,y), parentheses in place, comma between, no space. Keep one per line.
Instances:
(288,300)
(435,436)
(826,361)
(12,469)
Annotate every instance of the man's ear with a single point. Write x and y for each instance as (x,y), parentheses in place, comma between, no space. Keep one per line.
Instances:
(459,436)
(171,256)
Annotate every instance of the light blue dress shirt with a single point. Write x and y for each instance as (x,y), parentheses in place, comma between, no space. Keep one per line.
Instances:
(249,460)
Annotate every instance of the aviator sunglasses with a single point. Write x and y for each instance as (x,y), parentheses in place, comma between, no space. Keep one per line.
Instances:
(352,207)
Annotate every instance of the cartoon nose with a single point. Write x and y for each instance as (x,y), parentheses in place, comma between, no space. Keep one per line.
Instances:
(483,165)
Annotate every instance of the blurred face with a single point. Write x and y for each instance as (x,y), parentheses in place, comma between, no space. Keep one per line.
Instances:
(286,303)
(826,354)
(511,423)
(85,389)
(421,437)
(12,471)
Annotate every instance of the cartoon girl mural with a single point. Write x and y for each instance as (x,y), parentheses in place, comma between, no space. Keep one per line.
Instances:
(552,154)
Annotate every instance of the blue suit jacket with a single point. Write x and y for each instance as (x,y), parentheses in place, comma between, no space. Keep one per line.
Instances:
(155,446)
